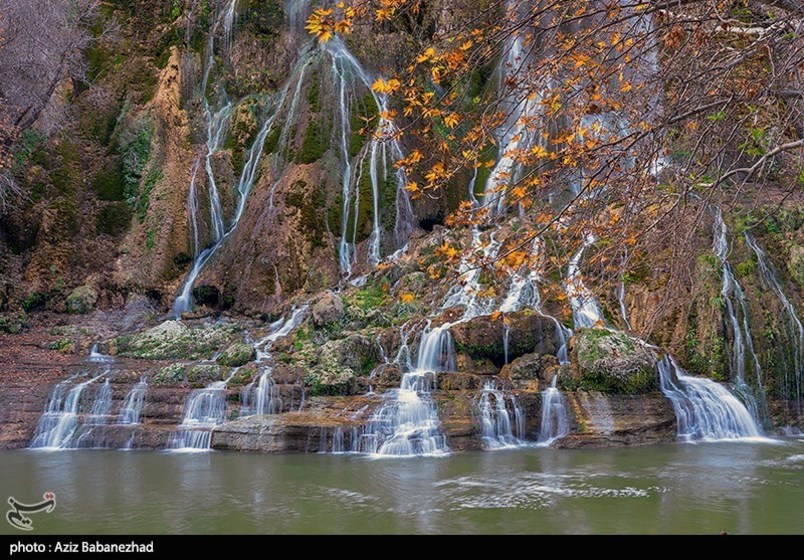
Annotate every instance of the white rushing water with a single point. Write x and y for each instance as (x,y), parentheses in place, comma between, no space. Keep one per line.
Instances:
(555,421)
(203,411)
(383,150)
(102,405)
(262,396)
(498,430)
(586,313)
(407,423)
(705,410)
(58,426)
(792,322)
(742,343)
(132,405)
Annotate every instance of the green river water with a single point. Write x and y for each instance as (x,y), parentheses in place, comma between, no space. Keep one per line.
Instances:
(684,488)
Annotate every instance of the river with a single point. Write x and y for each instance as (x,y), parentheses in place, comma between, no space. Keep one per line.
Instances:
(684,488)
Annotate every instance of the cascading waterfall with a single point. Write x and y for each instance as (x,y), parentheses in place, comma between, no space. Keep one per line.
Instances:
(495,420)
(132,405)
(217,126)
(586,313)
(204,410)
(555,422)
(793,325)
(59,424)
(621,301)
(263,393)
(382,146)
(102,405)
(742,343)
(705,410)
(407,423)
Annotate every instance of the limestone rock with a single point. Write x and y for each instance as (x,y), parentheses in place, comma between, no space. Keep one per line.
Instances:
(237,354)
(328,309)
(173,340)
(531,371)
(612,362)
(482,337)
(82,300)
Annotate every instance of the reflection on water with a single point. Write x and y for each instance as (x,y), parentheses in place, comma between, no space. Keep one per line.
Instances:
(742,488)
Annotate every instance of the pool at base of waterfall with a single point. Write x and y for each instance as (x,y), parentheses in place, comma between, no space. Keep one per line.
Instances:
(738,487)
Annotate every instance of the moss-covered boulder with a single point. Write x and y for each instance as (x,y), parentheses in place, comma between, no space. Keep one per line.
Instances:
(173,340)
(340,363)
(531,371)
(237,354)
(82,300)
(795,264)
(198,375)
(483,337)
(13,323)
(327,309)
(612,362)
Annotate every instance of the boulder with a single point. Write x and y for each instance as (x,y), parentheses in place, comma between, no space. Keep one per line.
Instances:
(340,362)
(173,340)
(612,362)
(237,354)
(82,300)
(482,337)
(327,309)
(531,371)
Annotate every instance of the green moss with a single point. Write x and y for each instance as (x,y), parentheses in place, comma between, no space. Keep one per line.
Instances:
(361,119)
(313,97)
(747,267)
(314,144)
(272,140)
(63,345)
(113,219)
(109,184)
(150,239)
(310,205)
(144,198)
(238,354)
(35,301)
(13,323)
(370,297)
(135,156)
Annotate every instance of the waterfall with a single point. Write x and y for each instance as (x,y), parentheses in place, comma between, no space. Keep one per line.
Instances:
(705,410)
(102,405)
(586,313)
(217,127)
(465,292)
(555,422)
(497,430)
(793,325)
(132,405)
(337,441)
(383,146)
(204,410)
(621,301)
(59,423)
(96,357)
(513,135)
(742,340)
(407,423)
(263,392)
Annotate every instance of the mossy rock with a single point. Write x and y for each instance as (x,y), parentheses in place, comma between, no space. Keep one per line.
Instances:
(173,340)
(82,300)
(340,363)
(64,345)
(238,354)
(13,323)
(612,362)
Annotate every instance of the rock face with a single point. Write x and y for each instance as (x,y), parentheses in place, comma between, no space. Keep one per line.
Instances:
(82,300)
(482,337)
(604,420)
(328,309)
(339,363)
(531,371)
(612,362)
